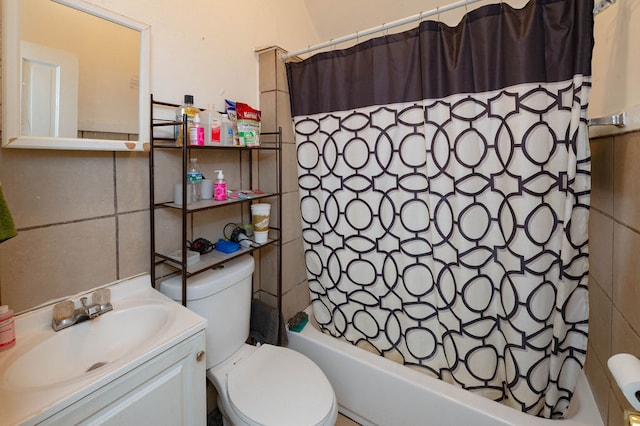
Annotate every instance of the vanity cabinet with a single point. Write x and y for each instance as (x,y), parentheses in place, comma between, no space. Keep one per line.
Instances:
(249,160)
(169,389)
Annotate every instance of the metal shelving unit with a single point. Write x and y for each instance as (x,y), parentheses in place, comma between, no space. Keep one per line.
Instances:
(272,141)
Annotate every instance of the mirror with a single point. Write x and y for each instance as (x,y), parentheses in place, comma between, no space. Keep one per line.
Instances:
(62,79)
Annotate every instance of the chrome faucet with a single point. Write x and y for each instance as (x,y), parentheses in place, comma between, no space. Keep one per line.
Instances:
(65,313)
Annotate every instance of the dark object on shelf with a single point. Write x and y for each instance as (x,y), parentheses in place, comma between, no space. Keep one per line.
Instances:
(201,245)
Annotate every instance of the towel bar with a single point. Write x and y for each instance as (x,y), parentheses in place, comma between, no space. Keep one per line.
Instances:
(619,120)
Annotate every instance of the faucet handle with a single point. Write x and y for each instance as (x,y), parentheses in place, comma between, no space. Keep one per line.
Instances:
(63,314)
(63,310)
(101,297)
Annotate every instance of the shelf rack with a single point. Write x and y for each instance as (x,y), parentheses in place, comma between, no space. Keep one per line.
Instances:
(272,141)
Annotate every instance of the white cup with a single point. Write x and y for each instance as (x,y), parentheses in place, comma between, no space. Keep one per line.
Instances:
(260,237)
(206,189)
(260,215)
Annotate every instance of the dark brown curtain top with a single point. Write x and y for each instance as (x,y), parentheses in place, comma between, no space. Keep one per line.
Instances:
(493,47)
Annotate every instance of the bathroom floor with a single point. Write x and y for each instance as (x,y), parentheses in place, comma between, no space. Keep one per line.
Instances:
(345,421)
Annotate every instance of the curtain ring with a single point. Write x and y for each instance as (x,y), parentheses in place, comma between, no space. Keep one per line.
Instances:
(438,13)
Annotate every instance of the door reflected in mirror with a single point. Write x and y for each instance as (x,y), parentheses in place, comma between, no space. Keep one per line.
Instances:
(78,73)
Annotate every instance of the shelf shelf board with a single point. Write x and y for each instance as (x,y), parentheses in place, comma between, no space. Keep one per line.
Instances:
(214,258)
(211,204)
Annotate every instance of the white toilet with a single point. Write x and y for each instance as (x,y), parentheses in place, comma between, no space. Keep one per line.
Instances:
(265,385)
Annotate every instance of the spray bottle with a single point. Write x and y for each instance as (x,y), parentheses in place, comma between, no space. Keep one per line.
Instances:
(219,187)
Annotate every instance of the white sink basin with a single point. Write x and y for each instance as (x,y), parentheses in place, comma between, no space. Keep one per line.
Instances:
(84,348)
(48,370)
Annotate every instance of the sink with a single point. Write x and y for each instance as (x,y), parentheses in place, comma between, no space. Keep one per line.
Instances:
(84,348)
(47,371)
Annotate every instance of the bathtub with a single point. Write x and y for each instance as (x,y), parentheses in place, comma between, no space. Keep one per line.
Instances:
(373,390)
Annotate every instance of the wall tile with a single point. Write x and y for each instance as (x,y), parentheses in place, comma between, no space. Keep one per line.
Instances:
(626,273)
(132,181)
(600,330)
(291,216)
(599,383)
(281,72)
(283,106)
(623,338)
(56,261)
(601,250)
(616,412)
(289,168)
(268,171)
(296,273)
(626,175)
(269,270)
(297,299)
(602,174)
(267,70)
(268,110)
(133,244)
(45,187)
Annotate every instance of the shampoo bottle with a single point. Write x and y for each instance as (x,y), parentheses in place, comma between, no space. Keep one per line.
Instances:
(7,328)
(220,187)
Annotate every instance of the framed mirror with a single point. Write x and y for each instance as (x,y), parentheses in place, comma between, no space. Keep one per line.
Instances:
(75,76)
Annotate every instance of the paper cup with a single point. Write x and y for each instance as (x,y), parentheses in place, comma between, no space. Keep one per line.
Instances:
(260,237)
(206,189)
(260,215)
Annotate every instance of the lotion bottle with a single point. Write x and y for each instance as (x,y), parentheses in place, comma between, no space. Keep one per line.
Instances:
(219,187)
(7,328)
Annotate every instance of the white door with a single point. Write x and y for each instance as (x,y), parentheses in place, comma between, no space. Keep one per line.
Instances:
(49,91)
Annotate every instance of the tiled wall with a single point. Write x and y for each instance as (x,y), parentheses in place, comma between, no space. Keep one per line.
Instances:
(614,265)
(82,219)
(274,103)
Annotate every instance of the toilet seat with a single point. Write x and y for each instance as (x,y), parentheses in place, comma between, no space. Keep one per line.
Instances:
(278,386)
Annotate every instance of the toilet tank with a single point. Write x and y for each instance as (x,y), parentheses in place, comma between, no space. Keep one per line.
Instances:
(222,296)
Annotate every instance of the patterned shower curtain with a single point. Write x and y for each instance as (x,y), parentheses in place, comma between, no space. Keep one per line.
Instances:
(444,178)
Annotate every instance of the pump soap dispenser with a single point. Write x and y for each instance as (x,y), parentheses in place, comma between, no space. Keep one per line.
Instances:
(219,187)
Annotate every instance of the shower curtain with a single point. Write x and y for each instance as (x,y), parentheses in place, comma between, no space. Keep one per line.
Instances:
(444,178)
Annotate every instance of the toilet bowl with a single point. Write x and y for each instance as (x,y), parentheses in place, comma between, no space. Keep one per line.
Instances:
(270,385)
(257,385)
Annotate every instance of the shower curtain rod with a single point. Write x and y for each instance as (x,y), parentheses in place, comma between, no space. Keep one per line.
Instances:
(379,28)
(598,7)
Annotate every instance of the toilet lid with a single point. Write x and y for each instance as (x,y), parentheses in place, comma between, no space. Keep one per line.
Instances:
(278,386)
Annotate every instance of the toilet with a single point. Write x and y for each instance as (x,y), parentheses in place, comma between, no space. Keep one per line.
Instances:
(257,385)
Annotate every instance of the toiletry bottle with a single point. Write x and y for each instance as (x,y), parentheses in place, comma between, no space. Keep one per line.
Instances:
(191,112)
(196,132)
(7,328)
(226,131)
(212,123)
(194,177)
(220,187)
